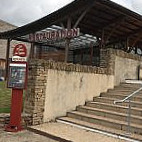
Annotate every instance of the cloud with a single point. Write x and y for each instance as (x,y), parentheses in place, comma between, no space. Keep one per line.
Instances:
(20,12)
(125,3)
(137,6)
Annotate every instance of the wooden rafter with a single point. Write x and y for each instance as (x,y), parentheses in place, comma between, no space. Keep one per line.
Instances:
(117,24)
(81,16)
(138,31)
(115,21)
(108,7)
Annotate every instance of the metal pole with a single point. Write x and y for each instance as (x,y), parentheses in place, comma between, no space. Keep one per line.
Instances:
(129,117)
(7,59)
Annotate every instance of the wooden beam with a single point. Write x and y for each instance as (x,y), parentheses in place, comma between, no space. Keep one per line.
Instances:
(91,53)
(81,17)
(117,25)
(114,21)
(138,31)
(119,10)
(7,59)
(102,39)
(32,50)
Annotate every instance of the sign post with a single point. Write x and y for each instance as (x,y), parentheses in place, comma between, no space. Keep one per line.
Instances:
(17,78)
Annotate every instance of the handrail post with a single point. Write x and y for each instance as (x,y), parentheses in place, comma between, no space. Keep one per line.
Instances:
(129,117)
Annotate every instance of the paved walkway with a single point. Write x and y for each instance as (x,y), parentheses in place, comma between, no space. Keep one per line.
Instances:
(77,134)
(23,136)
(74,134)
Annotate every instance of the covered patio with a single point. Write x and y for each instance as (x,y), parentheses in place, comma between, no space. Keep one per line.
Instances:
(101,23)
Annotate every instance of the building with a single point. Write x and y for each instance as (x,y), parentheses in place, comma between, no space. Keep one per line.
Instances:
(96,60)
(4,26)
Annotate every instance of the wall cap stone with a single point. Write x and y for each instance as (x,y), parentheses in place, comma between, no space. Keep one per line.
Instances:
(61,66)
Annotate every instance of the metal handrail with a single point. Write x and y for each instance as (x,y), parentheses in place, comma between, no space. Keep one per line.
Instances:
(127,99)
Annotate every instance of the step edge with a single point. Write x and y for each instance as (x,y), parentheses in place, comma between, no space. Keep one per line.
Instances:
(111,112)
(103,118)
(119,136)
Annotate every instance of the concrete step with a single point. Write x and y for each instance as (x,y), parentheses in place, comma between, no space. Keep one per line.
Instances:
(122,93)
(99,120)
(131,84)
(115,108)
(128,86)
(129,91)
(98,128)
(121,96)
(125,88)
(111,101)
(109,114)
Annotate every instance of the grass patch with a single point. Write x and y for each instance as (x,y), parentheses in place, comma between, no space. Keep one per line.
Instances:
(5,98)
(4,110)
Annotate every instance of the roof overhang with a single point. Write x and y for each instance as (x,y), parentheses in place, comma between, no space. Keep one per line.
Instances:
(93,17)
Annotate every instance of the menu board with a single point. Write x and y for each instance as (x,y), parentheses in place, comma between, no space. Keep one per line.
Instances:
(17,76)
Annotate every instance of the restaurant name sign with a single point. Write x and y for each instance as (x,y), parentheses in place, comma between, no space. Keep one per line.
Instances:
(54,35)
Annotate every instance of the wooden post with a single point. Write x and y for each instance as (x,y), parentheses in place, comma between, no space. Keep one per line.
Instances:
(7,58)
(91,53)
(67,50)
(102,39)
(32,50)
(67,42)
(127,44)
(40,51)
(81,52)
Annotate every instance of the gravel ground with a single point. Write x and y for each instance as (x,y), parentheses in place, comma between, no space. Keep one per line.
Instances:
(23,136)
(27,136)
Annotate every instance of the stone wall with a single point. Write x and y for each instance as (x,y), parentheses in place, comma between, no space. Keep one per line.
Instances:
(121,64)
(55,88)
(46,76)
(5,118)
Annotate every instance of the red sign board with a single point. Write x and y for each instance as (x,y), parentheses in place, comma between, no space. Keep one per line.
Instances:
(20,50)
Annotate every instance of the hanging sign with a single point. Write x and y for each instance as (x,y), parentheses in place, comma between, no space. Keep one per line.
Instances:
(55,35)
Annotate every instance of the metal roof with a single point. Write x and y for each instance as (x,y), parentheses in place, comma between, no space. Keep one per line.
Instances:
(116,22)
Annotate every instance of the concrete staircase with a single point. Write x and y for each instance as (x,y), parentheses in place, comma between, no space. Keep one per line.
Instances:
(103,115)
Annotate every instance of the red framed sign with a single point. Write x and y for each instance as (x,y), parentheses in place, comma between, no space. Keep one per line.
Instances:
(17,77)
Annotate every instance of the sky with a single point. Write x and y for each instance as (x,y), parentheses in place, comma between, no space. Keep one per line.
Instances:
(21,12)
